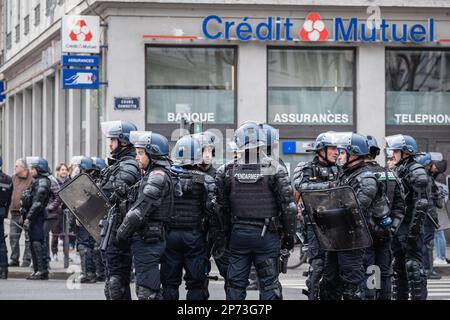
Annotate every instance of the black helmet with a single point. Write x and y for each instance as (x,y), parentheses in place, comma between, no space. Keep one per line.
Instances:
(187,151)
(39,163)
(249,136)
(374,150)
(119,130)
(404,143)
(156,145)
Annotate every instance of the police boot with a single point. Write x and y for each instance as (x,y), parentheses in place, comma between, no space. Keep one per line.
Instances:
(85,277)
(99,267)
(328,291)
(34,263)
(314,276)
(4,273)
(432,274)
(42,273)
(416,280)
(351,291)
(400,290)
(144,293)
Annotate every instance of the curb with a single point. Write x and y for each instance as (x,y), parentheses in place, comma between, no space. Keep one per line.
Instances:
(442,270)
(56,275)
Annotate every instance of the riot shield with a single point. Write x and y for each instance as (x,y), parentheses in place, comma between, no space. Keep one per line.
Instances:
(87,202)
(336,218)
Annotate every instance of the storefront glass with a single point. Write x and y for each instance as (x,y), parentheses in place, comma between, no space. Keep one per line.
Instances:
(417,87)
(198,83)
(310,86)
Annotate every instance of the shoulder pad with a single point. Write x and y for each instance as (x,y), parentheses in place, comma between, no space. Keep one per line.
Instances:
(157,173)
(415,166)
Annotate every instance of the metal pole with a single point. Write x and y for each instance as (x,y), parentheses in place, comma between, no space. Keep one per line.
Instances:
(66,238)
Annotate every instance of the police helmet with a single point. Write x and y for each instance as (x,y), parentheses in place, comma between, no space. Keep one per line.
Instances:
(119,130)
(404,143)
(187,151)
(249,136)
(154,144)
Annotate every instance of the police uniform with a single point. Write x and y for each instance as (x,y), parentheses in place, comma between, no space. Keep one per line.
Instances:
(116,182)
(380,253)
(409,275)
(35,200)
(255,207)
(305,176)
(186,239)
(6,189)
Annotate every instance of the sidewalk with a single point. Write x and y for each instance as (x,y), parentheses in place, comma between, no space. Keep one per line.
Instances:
(57,270)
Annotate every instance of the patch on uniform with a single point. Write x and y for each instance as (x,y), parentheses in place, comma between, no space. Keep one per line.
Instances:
(157,172)
(248,177)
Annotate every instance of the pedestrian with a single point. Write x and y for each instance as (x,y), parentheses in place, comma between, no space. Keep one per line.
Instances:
(21,180)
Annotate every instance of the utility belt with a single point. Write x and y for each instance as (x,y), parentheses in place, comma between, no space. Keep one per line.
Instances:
(269,224)
(152,231)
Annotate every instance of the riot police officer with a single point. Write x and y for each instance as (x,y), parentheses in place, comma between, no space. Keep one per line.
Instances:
(255,201)
(430,162)
(321,169)
(34,201)
(208,141)
(144,226)
(343,273)
(85,242)
(186,239)
(6,189)
(409,275)
(122,173)
(99,165)
(380,253)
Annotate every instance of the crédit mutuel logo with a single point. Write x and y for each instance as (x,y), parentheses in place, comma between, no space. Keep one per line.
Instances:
(315,29)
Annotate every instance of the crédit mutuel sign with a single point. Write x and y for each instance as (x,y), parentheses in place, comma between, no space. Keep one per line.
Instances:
(314,29)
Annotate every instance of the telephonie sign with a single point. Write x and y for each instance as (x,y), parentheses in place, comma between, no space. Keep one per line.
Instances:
(314,29)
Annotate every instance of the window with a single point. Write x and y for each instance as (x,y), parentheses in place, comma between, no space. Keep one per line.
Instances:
(37,15)
(18,33)
(8,41)
(195,82)
(417,87)
(26,26)
(49,6)
(310,86)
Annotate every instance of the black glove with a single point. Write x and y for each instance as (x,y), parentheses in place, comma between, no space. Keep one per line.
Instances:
(288,243)
(133,220)
(219,245)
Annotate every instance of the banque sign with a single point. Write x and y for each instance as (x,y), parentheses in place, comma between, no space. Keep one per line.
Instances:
(314,29)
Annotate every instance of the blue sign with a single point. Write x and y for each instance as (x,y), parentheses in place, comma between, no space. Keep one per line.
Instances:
(80,78)
(126,103)
(388,32)
(345,30)
(2,89)
(80,61)
(289,147)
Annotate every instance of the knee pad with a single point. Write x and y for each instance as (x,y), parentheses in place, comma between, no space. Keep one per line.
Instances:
(267,268)
(117,289)
(144,293)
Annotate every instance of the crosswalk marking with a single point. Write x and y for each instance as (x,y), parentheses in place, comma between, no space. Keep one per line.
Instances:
(437,289)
